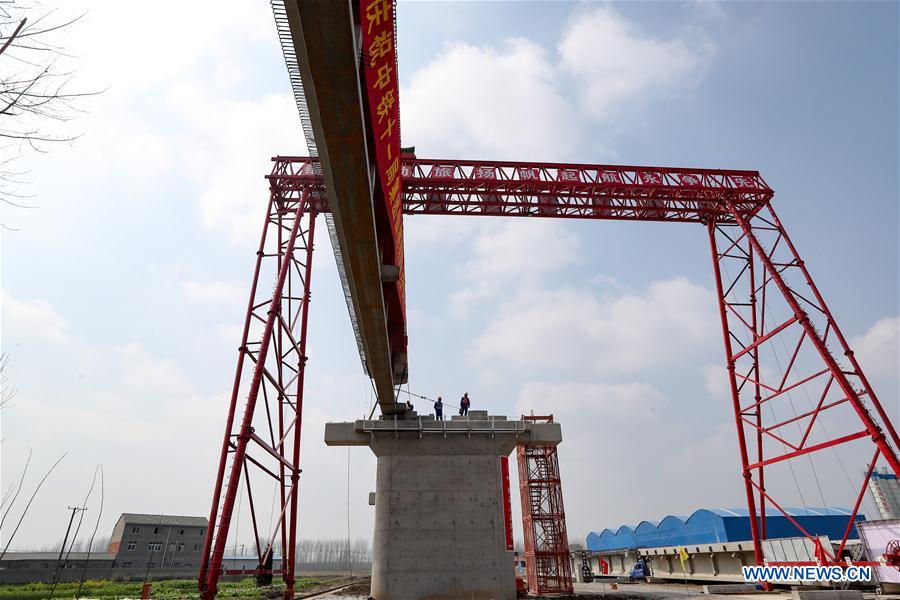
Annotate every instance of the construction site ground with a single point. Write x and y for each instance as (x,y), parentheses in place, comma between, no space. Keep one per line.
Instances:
(635,591)
(653,591)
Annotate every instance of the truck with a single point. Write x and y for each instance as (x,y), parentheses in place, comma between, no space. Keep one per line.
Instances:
(640,571)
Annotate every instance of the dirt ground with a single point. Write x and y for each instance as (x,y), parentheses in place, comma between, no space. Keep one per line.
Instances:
(637,591)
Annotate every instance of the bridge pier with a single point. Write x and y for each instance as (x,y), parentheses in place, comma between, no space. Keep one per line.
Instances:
(440,523)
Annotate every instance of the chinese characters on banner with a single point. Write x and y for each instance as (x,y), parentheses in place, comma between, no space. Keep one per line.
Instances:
(380,66)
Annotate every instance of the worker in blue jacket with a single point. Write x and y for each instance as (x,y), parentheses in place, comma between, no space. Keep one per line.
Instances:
(439,409)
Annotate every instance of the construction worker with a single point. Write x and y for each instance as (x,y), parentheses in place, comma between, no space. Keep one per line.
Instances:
(409,406)
(439,409)
(464,404)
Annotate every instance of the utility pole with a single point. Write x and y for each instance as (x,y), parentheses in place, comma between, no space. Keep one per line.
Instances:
(74,510)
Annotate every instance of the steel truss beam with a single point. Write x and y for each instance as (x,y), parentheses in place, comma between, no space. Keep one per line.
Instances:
(547,564)
(265,444)
(442,187)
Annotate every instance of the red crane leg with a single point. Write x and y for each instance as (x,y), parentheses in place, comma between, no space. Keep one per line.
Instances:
(892,432)
(840,375)
(265,444)
(229,421)
(758,321)
(290,553)
(763,288)
(736,400)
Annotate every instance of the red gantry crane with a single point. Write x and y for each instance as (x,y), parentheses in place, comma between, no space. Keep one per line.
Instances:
(795,386)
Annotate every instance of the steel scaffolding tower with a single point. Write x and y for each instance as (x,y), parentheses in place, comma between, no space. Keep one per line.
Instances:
(547,564)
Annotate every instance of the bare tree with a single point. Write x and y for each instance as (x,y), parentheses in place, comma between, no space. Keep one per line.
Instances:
(81,510)
(6,393)
(101,544)
(36,90)
(16,494)
(333,554)
(91,541)
(27,506)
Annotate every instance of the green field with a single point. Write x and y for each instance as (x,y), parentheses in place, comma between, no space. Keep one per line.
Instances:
(162,590)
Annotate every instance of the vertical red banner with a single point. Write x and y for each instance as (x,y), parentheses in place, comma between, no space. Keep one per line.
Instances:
(507,502)
(379,57)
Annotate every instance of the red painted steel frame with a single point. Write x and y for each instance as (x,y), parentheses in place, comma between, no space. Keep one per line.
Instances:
(270,371)
(492,188)
(766,295)
(767,299)
(770,309)
(547,564)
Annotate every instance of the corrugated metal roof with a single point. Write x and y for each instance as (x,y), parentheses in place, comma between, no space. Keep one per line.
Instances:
(717,525)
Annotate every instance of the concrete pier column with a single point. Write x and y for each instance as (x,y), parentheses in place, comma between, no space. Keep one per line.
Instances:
(440,527)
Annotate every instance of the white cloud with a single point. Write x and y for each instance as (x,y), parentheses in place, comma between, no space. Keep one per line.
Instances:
(242,138)
(707,9)
(193,33)
(617,66)
(878,353)
(229,333)
(197,109)
(516,100)
(214,291)
(573,329)
(614,434)
(518,253)
(715,380)
(492,102)
(607,401)
(878,350)
(151,374)
(26,321)
(524,249)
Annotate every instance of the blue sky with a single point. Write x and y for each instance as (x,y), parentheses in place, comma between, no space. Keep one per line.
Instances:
(123,292)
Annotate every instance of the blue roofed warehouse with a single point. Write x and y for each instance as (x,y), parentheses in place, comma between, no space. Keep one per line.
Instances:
(716,525)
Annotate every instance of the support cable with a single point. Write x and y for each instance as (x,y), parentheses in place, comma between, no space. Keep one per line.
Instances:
(790,399)
(349,554)
(821,425)
(775,419)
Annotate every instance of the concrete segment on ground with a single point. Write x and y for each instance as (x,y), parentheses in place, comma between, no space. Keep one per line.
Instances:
(440,529)
(731,588)
(826,595)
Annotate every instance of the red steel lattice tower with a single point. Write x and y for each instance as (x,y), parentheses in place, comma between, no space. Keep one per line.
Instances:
(261,446)
(547,564)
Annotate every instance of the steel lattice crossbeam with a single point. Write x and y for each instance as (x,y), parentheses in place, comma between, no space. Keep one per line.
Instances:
(554,189)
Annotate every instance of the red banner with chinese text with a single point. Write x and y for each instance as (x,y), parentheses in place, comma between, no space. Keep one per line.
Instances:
(507,501)
(379,62)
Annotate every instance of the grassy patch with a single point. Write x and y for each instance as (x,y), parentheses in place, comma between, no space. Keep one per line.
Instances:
(175,589)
